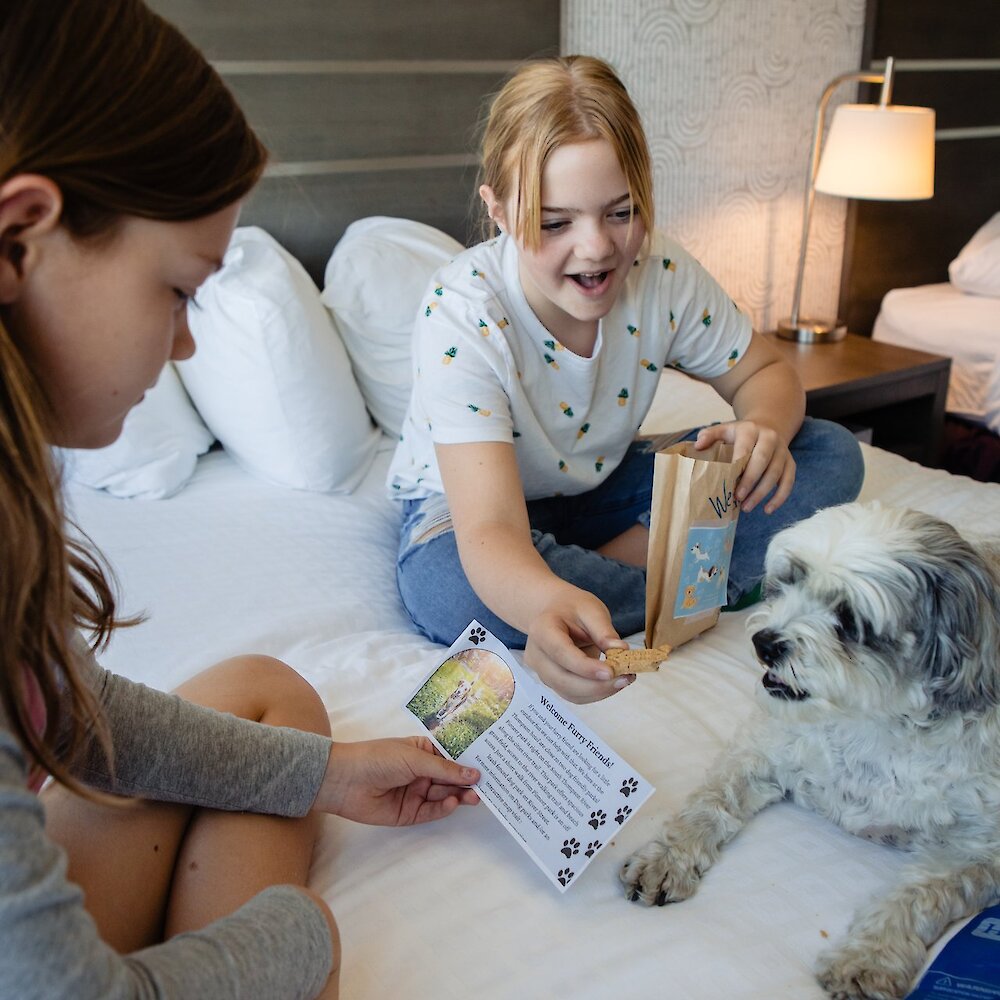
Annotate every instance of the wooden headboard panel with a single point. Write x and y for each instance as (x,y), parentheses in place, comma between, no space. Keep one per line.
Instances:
(368,108)
(900,244)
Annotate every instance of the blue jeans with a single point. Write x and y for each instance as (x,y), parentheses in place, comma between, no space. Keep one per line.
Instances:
(566,530)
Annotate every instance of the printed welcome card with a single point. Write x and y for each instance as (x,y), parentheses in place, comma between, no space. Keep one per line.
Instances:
(552,782)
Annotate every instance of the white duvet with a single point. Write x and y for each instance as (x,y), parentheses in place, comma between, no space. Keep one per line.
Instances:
(457,910)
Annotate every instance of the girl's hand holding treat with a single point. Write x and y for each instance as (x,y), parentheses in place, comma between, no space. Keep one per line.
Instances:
(564,641)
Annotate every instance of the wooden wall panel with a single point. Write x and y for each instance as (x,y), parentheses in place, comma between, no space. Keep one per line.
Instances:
(367,109)
(347,116)
(308,214)
(372,29)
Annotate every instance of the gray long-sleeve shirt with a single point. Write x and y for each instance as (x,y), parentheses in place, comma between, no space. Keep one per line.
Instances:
(276,945)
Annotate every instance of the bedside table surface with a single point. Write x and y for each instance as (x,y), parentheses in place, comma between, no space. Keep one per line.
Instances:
(855,360)
(896,393)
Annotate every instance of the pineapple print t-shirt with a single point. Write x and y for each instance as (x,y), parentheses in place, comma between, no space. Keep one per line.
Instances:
(486,369)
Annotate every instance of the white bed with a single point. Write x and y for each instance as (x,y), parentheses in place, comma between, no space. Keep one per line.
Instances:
(942,319)
(960,319)
(232,563)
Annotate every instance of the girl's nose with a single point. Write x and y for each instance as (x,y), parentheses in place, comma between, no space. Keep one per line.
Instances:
(183,341)
(596,243)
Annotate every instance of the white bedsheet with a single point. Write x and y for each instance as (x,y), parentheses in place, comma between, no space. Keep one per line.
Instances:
(457,910)
(966,328)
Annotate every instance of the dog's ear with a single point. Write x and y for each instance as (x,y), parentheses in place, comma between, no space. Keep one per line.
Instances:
(958,626)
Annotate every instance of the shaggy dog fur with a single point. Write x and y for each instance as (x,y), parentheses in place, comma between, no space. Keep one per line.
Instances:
(880,644)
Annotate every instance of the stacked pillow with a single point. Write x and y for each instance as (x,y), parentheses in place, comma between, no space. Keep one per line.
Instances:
(271,377)
(374,283)
(977,267)
(270,380)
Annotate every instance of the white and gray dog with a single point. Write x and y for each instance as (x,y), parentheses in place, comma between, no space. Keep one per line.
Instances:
(880,642)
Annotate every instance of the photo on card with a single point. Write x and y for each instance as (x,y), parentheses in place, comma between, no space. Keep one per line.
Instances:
(464,696)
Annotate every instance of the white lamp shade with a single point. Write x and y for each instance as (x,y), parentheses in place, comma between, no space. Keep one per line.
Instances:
(885,153)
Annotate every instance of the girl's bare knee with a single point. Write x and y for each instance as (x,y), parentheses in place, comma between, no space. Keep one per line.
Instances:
(263,688)
(290,700)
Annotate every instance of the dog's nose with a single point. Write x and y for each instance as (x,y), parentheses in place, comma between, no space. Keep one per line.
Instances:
(769,645)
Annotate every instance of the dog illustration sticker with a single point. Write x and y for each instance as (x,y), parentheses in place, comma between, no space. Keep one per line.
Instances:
(705,569)
(464,697)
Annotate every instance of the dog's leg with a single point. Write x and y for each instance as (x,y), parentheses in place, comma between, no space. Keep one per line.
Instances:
(668,869)
(887,942)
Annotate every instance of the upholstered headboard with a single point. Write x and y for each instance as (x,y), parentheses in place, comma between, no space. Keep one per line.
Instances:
(368,108)
(948,58)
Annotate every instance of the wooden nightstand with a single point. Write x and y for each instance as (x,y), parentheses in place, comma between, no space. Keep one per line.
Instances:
(897,392)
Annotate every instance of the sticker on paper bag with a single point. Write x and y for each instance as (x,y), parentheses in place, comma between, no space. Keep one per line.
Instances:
(704,569)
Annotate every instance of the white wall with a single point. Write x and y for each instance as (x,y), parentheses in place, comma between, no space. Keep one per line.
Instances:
(727,90)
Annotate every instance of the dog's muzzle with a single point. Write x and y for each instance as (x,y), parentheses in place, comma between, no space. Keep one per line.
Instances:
(771,650)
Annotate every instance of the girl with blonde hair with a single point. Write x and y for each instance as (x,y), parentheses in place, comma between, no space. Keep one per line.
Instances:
(536,357)
(123,161)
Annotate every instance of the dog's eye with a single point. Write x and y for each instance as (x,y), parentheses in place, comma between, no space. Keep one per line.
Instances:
(847,624)
(770,588)
(796,571)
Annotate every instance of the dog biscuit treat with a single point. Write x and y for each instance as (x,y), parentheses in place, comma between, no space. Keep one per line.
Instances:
(635,661)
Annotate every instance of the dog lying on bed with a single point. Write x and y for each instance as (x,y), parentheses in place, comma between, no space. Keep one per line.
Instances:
(880,642)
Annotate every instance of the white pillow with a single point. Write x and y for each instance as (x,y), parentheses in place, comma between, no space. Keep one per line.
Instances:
(373,286)
(156,452)
(977,267)
(270,375)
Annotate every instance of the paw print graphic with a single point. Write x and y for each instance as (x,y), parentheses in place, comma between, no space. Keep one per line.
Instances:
(597,818)
(592,848)
(623,814)
(570,847)
(477,635)
(565,876)
(629,787)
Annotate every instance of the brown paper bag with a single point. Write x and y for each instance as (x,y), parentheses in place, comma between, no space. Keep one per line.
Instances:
(691,533)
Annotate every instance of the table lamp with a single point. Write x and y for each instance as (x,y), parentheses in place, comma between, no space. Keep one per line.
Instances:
(879,151)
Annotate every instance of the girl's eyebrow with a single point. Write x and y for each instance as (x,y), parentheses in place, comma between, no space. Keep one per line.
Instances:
(576,211)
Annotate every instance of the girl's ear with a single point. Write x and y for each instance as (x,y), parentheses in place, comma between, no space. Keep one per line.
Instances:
(30,209)
(494,207)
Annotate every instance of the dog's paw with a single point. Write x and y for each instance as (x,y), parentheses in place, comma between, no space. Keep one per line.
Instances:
(659,873)
(862,974)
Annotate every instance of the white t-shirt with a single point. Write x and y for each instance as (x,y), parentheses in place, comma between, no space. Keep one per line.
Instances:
(486,369)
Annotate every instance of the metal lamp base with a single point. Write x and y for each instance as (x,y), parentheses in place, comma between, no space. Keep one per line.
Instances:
(812,331)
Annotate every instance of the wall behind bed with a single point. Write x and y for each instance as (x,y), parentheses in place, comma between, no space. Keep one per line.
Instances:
(902,244)
(728,90)
(367,108)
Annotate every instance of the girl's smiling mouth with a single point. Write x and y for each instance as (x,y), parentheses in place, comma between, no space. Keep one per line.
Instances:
(593,282)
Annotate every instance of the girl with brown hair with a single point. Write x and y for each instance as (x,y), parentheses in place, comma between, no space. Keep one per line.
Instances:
(123,162)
